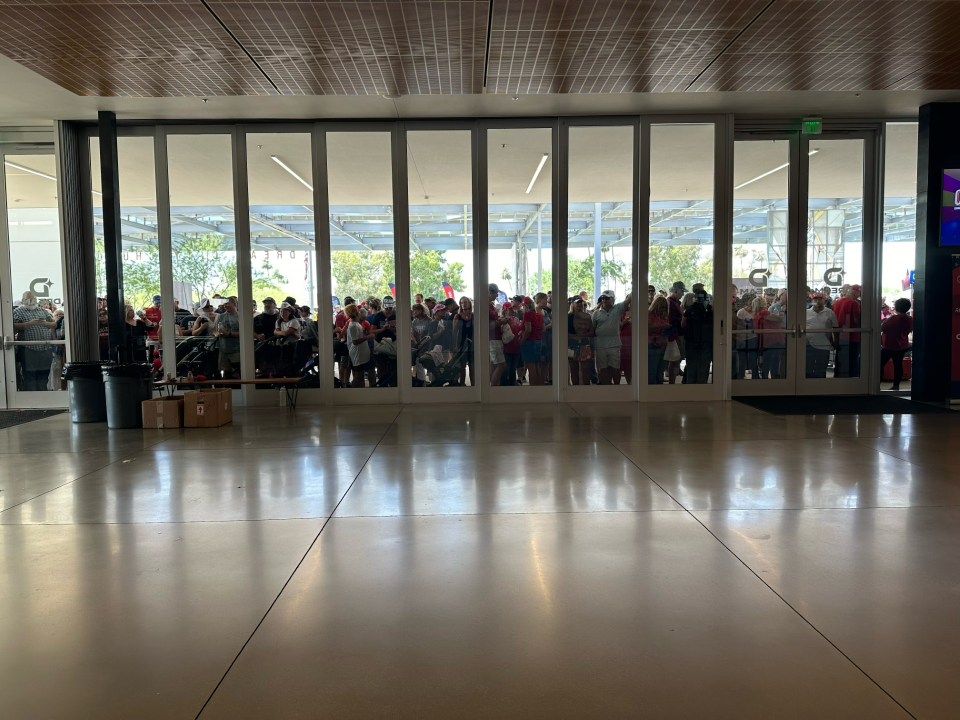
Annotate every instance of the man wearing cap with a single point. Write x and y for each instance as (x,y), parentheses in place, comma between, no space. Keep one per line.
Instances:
(266,322)
(153,314)
(498,361)
(227,329)
(606,329)
(675,317)
(819,318)
(847,310)
(441,329)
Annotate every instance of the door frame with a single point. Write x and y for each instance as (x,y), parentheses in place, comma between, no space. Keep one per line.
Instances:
(796,382)
(10,397)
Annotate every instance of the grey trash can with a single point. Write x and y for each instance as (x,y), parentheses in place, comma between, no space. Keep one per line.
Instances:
(127,386)
(88,401)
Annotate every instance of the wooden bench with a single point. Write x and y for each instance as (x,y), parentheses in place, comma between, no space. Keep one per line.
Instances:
(290,385)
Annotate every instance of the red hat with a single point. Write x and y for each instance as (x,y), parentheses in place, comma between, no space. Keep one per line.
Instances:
(855,287)
(527,301)
(817,295)
(506,306)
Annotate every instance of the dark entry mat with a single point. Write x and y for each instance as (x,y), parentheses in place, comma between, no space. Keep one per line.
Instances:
(9,418)
(839,405)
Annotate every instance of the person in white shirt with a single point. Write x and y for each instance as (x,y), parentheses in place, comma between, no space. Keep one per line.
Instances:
(357,339)
(819,344)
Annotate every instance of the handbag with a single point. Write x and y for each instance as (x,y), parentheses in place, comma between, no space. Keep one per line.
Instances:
(672,353)
(506,334)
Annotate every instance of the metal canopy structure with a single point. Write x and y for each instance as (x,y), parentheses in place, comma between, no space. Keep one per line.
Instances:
(367,228)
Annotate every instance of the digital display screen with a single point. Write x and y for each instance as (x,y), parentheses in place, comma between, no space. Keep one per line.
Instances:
(950,208)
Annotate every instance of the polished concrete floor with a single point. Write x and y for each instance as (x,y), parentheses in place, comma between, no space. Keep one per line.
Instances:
(688,560)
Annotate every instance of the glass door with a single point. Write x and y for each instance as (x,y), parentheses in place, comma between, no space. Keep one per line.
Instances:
(798,311)
(763,326)
(834,258)
(31,280)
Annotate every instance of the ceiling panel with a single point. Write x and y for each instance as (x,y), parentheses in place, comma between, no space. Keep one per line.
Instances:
(128,48)
(593,46)
(367,47)
(834,45)
(190,48)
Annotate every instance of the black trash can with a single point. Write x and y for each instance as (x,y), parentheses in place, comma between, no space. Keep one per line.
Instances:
(127,386)
(88,401)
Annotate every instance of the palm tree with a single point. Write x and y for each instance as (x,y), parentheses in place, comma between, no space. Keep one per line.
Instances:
(505,276)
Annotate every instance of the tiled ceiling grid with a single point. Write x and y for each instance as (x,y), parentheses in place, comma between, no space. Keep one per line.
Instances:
(591,46)
(133,48)
(366,47)
(161,48)
(838,45)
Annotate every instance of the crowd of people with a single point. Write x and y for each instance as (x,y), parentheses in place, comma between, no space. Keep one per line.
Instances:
(680,330)
(832,324)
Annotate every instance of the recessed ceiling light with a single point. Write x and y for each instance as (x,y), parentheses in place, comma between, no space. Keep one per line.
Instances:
(514,98)
(392,96)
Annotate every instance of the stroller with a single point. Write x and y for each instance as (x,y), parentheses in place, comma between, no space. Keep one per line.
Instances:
(447,370)
(199,356)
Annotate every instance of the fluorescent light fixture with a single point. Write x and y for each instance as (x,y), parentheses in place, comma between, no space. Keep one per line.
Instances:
(37,173)
(280,162)
(770,172)
(536,173)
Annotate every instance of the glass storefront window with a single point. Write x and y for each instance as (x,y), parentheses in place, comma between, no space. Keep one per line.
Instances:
(899,243)
(519,227)
(204,256)
(283,258)
(440,185)
(599,256)
(360,193)
(36,271)
(681,254)
(138,225)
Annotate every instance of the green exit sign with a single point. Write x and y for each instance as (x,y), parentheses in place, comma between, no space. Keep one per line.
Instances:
(812,126)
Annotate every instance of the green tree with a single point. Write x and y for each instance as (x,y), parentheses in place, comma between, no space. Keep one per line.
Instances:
(429,269)
(200,261)
(547,282)
(613,274)
(669,263)
(361,274)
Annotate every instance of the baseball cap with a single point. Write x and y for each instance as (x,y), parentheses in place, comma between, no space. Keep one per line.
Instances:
(608,293)
(678,285)
(855,287)
(156,298)
(389,302)
(270,300)
(818,295)
(439,308)
(348,301)
(526,301)
(492,287)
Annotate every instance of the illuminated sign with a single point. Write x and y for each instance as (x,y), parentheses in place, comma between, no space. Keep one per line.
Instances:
(812,126)
(950,208)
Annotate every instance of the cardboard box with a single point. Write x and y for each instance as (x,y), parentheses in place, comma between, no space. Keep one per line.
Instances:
(163,413)
(207,408)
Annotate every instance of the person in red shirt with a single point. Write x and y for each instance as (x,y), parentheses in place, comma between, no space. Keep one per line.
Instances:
(152,314)
(498,362)
(532,340)
(847,310)
(895,339)
(340,323)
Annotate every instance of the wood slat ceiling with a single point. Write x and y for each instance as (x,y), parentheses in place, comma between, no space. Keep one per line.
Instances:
(164,48)
(416,47)
(139,48)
